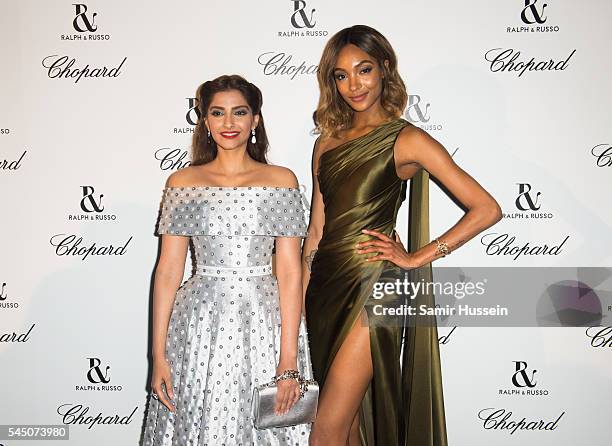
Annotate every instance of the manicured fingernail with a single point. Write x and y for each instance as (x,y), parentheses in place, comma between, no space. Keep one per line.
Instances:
(364,230)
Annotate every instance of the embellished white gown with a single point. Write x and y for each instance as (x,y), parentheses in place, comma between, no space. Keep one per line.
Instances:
(225,328)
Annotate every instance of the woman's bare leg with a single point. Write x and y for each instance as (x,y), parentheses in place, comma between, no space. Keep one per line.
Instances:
(354,437)
(346,383)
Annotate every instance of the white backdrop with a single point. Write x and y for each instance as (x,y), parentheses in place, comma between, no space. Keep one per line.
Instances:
(88,156)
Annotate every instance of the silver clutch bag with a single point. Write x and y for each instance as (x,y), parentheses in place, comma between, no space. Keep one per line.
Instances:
(303,411)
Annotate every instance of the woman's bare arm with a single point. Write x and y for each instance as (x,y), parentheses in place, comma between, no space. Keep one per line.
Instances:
(416,149)
(316,223)
(415,146)
(168,276)
(288,275)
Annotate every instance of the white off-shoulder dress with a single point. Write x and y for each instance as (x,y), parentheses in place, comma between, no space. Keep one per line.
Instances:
(225,328)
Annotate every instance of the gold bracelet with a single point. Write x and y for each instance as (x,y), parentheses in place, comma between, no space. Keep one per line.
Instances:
(442,248)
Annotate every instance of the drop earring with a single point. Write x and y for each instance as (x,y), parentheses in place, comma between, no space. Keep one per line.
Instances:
(208,135)
(253,139)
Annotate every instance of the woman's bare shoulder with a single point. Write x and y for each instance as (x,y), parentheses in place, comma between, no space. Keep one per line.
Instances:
(187,176)
(278,176)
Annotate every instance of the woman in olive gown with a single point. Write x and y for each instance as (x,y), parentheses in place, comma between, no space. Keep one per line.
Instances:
(373,391)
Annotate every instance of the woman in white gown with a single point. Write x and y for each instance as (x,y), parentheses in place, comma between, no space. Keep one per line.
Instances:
(232,325)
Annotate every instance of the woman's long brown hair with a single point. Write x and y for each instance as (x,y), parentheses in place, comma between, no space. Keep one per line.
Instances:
(204,149)
(333,114)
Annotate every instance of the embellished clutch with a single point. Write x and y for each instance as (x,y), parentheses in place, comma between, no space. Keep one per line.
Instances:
(303,411)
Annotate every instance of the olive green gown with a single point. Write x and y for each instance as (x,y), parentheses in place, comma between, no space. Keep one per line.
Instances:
(404,402)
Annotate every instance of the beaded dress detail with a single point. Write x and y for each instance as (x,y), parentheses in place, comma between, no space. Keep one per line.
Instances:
(225,328)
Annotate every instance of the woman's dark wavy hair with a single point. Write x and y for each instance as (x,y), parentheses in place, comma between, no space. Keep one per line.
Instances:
(204,150)
(333,114)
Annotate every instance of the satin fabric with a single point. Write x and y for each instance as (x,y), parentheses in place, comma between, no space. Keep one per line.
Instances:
(404,402)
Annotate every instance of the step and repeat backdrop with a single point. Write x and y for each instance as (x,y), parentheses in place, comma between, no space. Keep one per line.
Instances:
(97,110)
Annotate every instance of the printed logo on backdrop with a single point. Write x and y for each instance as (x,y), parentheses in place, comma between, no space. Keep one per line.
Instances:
(84,26)
(98,377)
(599,337)
(524,382)
(79,414)
(62,66)
(418,112)
(492,418)
(6,302)
(190,118)
(512,61)
(13,163)
(528,202)
(533,19)
(506,245)
(603,155)
(526,386)
(92,208)
(71,245)
(303,21)
(16,337)
(177,157)
(279,63)
(193,114)
(445,339)
(172,158)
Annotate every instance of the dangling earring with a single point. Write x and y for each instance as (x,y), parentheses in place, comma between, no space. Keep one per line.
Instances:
(253,139)
(208,135)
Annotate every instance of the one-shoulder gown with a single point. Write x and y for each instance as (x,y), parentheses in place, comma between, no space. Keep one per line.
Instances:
(404,402)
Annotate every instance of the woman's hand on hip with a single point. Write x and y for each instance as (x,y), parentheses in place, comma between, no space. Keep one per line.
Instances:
(387,249)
